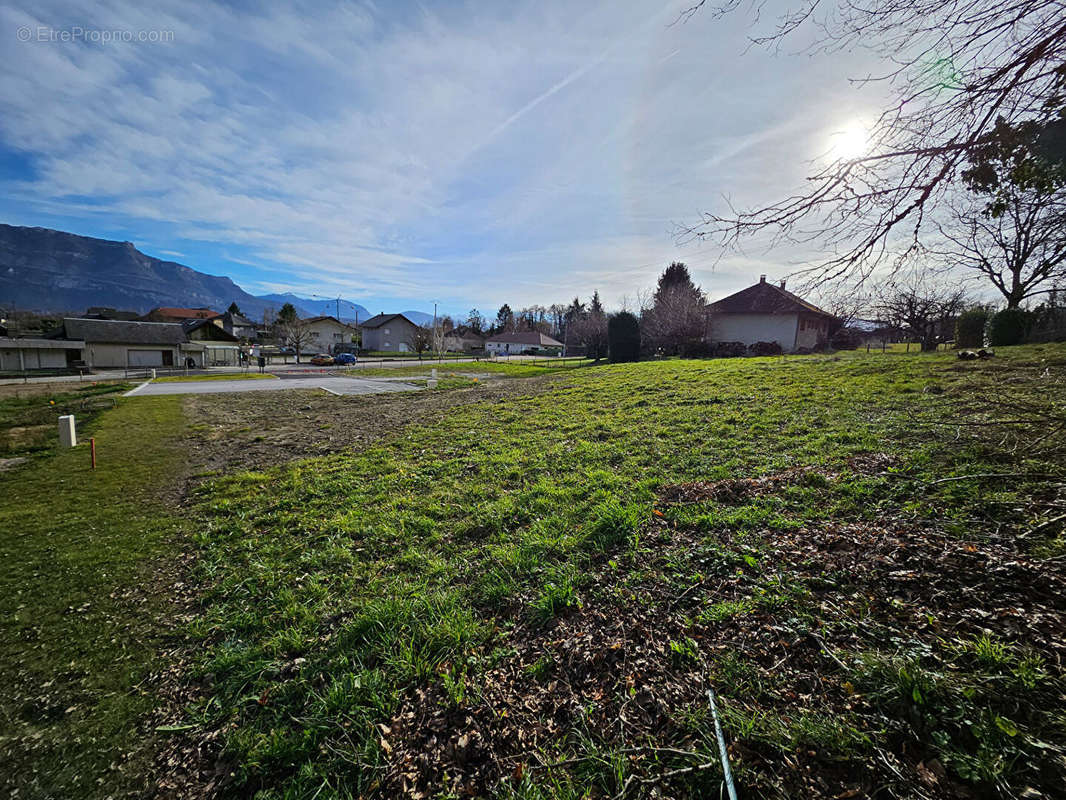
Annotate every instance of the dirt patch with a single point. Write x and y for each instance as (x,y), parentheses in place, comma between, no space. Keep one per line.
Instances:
(626,673)
(740,490)
(256,430)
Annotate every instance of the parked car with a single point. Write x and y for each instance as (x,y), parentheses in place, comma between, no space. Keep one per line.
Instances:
(344,358)
(322,360)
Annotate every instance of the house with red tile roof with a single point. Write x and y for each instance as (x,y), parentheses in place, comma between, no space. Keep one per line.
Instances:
(176,314)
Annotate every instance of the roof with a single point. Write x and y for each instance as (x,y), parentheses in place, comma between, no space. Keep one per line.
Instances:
(328,318)
(535,338)
(461,332)
(765,298)
(106,312)
(215,332)
(121,332)
(39,344)
(183,313)
(380,319)
(238,319)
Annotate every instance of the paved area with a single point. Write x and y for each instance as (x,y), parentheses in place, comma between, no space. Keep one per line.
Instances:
(327,382)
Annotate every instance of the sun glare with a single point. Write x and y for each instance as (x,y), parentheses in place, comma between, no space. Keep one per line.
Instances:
(851,141)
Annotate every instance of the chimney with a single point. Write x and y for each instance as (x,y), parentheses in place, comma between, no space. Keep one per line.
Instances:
(762,279)
(783,283)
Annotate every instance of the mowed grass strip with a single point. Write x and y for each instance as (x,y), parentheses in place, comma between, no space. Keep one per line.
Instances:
(78,614)
(343,591)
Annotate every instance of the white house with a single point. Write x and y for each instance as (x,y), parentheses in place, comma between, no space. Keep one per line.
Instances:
(522,342)
(767,312)
(325,333)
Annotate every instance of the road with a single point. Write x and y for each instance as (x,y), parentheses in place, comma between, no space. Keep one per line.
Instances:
(327,382)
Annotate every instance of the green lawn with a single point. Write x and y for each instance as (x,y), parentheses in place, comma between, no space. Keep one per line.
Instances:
(510,369)
(29,413)
(228,376)
(526,598)
(79,606)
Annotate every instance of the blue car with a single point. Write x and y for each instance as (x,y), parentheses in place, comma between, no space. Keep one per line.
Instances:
(344,358)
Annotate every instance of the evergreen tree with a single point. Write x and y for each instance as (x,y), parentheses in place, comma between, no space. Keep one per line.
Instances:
(623,337)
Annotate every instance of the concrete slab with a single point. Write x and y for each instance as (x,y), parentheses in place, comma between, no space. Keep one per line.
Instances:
(327,382)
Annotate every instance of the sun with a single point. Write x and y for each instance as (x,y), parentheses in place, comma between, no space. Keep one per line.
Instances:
(849,142)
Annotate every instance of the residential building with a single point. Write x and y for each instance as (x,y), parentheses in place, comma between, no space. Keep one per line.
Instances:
(175,314)
(209,345)
(462,339)
(766,312)
(326,333)
(393,333)
(114,343)
(238,325)
(106,312)
(533,342)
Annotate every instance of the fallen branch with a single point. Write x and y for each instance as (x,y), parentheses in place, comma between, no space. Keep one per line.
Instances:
(1045,524)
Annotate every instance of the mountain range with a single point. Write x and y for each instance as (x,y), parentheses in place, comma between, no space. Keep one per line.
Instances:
(50,271)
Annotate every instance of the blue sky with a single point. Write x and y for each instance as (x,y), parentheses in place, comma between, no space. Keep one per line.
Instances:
(401,153)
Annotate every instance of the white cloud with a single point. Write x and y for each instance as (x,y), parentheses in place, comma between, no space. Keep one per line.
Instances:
(475,152)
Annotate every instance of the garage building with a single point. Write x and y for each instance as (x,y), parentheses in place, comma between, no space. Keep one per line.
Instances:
(120,344)
(20,355)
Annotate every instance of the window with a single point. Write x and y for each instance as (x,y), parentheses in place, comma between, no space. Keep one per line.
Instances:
(386,331)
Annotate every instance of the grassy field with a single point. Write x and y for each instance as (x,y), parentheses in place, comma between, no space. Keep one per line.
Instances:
(29,413)
(508,369)
(526,593)
(528,598)
(79,612)
(228,376)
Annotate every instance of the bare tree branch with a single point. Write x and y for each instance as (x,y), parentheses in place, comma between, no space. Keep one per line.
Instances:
(955,66)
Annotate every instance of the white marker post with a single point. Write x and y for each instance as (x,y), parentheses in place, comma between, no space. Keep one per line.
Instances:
(67,436)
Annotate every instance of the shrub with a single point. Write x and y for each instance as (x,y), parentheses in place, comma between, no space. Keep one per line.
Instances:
(765,349)
(623,337)
(1007,327)
(970,328)
(846,339)
(728,349)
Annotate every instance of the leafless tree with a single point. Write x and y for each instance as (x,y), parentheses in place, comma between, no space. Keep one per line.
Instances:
(422,339)
(925,311)
(294,333)
(1009,226)
(590,331)
(954,67)
(1022,252)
